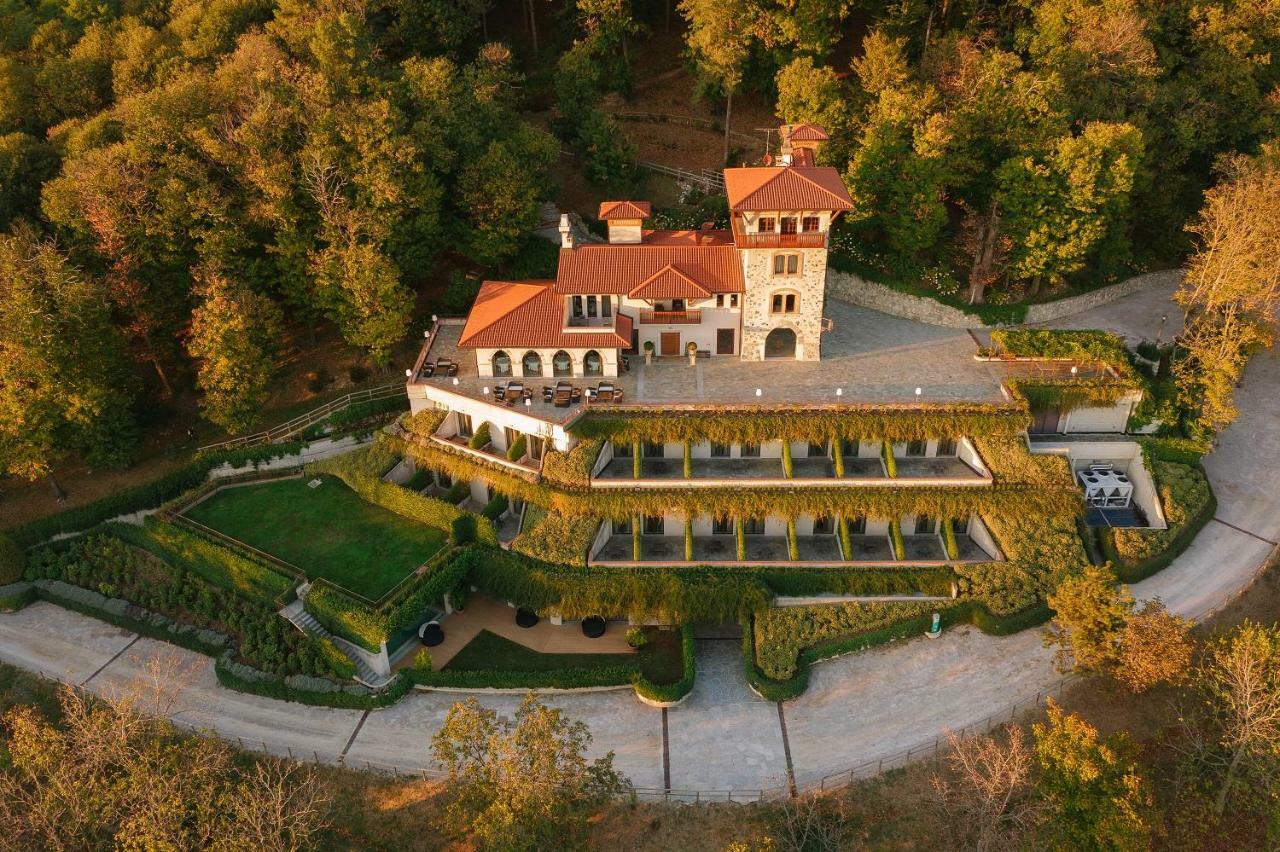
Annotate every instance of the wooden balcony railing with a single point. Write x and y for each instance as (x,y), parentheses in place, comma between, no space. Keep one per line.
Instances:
(692,316)
(780,240)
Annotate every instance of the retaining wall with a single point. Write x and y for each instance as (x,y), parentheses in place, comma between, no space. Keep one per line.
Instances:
(868,294)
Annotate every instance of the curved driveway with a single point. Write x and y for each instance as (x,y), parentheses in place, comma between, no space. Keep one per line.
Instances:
(858,709)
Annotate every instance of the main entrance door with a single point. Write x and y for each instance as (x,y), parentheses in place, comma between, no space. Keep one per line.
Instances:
(724,341)
(670,343)
(781,343)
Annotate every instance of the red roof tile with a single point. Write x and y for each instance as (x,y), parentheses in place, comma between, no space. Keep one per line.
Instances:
(623,210)
(669,283)
(786,188)
(530,314)
(805,132)
(619,269)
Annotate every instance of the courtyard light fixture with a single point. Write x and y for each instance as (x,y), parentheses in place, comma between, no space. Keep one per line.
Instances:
(759,392)
(485,390)
(426,333)
(839,391)
(408,374)
(918,392)
(528,403)
(1074,369)
(435,318)
(455,381)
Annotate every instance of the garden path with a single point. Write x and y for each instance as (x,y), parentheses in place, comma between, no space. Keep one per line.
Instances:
(858,708)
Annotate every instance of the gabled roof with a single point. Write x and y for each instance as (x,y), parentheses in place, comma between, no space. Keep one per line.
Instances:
(805,132)
(714,265)
(786,188)
(528,315)
(623,210)
(669,283)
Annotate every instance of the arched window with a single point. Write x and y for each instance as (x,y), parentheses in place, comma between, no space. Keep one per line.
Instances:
(501,363)
(532,363)
(561,364)
(592,364)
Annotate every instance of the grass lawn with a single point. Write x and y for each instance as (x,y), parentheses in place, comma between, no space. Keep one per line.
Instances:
(328,531)
(659,659)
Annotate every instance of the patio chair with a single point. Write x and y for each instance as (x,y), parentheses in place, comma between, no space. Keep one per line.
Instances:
(500,390)
(428,370)
(625,363)
(548,393)
(528,393)
(453,368)
(592,394)
(576,395)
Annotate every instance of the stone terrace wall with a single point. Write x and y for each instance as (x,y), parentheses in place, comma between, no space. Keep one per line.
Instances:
(878,297)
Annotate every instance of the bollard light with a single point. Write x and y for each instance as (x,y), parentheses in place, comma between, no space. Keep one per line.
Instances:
(455,381)
(408,374)
(759,392)
(918,392)
(839,391)
(485,390)
(528,403)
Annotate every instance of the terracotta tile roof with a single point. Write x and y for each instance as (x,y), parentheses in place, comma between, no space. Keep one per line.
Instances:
(623,210)
(669,283)
(619,269)
(786,188)
(530,314)
(804,132)
(711,236)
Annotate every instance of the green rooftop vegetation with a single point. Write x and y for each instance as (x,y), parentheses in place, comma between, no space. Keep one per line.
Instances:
(327,531)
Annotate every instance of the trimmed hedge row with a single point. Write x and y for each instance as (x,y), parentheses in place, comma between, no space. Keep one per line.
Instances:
(1187,508)
(970,612)
(148,495)
(672,692)
(215,562)
(307,690)
(362,471)
(14,596)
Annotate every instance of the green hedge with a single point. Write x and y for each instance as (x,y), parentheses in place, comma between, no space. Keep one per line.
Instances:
(481,438)
(1170,449)
(516,451)
(13,559)
(362,471)
(148,495)
(495,507)
(573,469)
(672,692)
(213,561)
(553,537)
(14,596)
(1078,344)
(307,690)
(889,459)
(1189,504)
(559,679)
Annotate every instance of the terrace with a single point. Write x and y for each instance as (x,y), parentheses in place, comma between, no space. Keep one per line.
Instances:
(870,357)
(773,550)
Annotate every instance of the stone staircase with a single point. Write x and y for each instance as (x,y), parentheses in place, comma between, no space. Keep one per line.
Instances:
(306,622)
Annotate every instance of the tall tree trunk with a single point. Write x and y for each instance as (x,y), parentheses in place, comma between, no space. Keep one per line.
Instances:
(1229,780)
(984,256)
(533,27)
(164,379)
(58,494)
(728,112)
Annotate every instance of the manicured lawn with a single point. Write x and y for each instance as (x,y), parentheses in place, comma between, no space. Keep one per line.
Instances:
(327,531)
(659,659)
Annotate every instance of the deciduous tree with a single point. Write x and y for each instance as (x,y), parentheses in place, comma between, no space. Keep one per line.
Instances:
(1156,648)
(987,794)
(1089,617)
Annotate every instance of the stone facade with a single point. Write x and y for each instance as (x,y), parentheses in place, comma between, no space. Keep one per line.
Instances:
(808,285)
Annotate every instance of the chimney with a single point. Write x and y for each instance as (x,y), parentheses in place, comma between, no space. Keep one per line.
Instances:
(566,233)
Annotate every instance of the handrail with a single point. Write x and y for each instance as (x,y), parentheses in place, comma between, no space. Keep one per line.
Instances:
(302,421)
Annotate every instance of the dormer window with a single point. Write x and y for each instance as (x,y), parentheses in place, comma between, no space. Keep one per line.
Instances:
(810,224)
(605,308)
(767,224)
(577,307)
(788,225)
(591,306)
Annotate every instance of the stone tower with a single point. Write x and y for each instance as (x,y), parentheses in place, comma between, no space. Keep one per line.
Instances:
(781,214)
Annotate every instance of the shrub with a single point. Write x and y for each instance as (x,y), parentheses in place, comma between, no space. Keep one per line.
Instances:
(516,451)
(669,693)
(15,596)
(185,548)
(573,469)
(480,439)
(307,690)
(895,538)
(949,539)
(495,507)
(636,637)
(12,560)
(1188,505)
(457,492)
(788,467)
(357,373)
(422,660)
(463,529)
(781,633)
(553,537)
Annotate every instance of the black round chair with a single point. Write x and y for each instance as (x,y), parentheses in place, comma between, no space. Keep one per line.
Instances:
(593,627)
(431,634)
(526,618)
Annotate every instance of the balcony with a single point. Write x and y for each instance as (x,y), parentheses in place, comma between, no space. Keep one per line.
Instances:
(751,241)
(692,316)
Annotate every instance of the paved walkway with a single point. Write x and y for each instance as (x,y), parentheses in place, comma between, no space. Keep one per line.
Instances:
(857,709)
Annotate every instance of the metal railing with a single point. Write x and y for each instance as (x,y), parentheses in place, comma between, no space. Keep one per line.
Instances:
(292,427)
(693,316)
(780,240)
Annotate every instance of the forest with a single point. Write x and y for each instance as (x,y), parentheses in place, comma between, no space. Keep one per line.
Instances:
(182,182)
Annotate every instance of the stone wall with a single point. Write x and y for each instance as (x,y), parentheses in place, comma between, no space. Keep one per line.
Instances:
(761,284)
(869,294)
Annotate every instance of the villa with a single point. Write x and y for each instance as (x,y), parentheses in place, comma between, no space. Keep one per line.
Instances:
(735,413)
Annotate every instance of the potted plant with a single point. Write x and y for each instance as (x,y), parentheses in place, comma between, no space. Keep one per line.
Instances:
(692,349)
(648,351)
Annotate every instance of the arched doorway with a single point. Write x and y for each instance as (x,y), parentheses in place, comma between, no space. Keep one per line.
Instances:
(531,364)
(561,364)
(501,364)
(592,364)
(781,343)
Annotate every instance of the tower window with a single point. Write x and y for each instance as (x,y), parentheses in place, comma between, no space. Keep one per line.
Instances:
(784,303)
(810,224)
(766,224)
(786,264)
(733,300)
(788,224)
